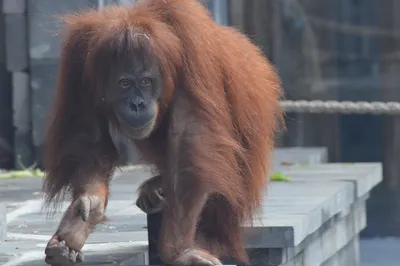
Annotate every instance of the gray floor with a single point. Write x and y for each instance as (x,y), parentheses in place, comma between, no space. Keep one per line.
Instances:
(380,252)
(121,241)
(374,252)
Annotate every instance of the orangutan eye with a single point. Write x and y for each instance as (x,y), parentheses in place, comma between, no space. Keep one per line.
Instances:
(145,82)
(125,83)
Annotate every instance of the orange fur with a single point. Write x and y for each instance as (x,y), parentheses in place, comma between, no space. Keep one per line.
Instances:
(230,87)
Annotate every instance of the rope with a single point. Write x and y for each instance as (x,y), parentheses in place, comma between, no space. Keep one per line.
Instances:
(345,107)
(353,29)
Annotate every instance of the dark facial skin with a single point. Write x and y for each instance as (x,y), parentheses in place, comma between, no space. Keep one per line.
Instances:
(134,89)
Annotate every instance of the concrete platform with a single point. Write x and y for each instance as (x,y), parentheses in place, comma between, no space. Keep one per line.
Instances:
(323,203)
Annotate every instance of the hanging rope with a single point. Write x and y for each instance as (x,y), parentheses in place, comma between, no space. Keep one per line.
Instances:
(345,107)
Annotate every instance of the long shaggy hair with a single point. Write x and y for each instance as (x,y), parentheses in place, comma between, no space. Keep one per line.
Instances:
(230,86)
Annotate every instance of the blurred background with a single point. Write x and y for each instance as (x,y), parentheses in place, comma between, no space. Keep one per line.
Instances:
(324,49)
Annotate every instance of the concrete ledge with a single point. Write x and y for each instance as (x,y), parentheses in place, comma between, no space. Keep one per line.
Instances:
(365,176)
(319,247)
(300,155)
(349,255)
(325,243)
(292,211)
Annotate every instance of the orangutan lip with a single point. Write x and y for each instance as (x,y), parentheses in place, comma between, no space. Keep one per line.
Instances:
(135,128)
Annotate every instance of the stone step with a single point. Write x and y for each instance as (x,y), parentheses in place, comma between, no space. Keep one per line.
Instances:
(299,217)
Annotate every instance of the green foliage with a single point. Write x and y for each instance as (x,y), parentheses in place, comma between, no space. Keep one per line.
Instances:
(25,172)
(280,177)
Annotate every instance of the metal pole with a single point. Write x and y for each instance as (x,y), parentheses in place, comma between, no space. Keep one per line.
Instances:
(220,11)
(125,2)
(100,4)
